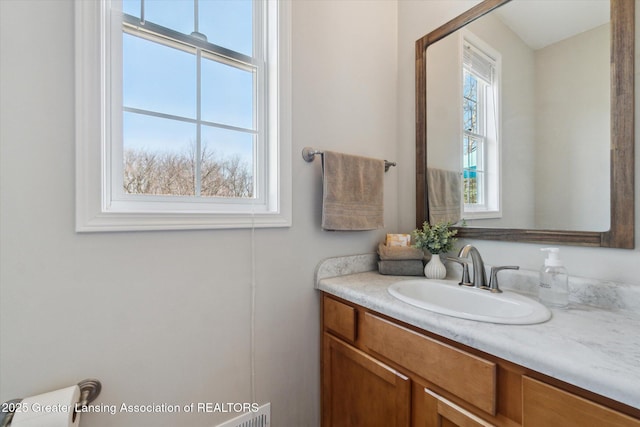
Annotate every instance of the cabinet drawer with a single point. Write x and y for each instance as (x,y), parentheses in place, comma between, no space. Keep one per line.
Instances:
(545,405)
(339,318)
(467,376)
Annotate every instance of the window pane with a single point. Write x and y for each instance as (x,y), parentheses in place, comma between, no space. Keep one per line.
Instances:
(131,7)
(149,83)
(469,152)
(228,23)
(159,155)
(470,90)
(469,164)
(470,114)
(175,14)
(470,103)
(227,163)
(227,95)
(470,191)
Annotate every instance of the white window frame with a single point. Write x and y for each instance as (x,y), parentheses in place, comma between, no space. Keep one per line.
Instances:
(98,119)
(492,147)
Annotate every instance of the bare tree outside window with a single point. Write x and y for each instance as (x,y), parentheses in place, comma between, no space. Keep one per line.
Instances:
(174,173)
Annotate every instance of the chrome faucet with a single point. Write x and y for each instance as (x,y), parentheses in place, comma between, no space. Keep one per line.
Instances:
(479,276)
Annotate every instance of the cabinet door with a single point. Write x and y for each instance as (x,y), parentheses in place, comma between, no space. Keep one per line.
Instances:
(442,412)
(545,405)
(360,391)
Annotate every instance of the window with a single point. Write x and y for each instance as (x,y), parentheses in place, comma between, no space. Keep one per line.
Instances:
(188,124)
(480,133)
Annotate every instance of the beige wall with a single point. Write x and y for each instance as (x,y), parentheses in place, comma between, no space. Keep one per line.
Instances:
(165,316)
(572,76)
(444,115)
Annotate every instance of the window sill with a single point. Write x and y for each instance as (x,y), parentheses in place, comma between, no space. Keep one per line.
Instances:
(106,222)
(482,215)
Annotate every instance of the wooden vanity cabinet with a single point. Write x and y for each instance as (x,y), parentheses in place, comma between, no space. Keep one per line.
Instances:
(377,371)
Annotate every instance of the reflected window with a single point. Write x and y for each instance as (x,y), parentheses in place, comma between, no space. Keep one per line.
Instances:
(480,133)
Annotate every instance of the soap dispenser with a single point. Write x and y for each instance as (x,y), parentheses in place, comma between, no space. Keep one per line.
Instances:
(554,281)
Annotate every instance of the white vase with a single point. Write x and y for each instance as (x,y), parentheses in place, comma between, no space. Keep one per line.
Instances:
(435,269)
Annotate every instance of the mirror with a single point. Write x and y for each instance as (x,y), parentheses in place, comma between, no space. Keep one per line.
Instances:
(536,97)
(527,172)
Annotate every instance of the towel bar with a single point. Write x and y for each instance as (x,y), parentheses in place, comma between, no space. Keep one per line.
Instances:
(308,154)
(89,390)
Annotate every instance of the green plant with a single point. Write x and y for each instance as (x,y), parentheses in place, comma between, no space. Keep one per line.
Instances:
(436,238)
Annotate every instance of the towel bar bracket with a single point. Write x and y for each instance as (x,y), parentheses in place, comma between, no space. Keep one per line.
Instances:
(308,154)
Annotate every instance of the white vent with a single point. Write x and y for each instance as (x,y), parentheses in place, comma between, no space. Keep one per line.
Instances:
(260,418)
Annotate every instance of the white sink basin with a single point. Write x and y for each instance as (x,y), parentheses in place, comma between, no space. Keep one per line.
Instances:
(447,297)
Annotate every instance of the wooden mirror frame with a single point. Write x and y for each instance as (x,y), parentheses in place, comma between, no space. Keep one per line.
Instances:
(621,232)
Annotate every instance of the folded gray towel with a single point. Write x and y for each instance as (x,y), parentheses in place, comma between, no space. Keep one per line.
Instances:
(410,267)
(399,252)
(352,192)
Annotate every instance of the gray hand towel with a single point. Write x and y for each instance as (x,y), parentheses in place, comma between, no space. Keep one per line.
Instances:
(352,192)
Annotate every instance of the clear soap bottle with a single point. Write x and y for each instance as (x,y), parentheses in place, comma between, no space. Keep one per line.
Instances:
(554,281)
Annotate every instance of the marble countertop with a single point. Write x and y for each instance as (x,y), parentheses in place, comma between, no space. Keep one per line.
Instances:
(593,348)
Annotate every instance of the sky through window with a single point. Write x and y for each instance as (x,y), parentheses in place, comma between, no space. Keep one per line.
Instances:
(162,81)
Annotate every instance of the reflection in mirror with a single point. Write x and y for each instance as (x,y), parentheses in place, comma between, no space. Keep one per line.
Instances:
(524,119)
(521,135)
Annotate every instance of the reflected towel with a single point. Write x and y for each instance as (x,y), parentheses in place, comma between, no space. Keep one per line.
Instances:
(352,192)
(445,195)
